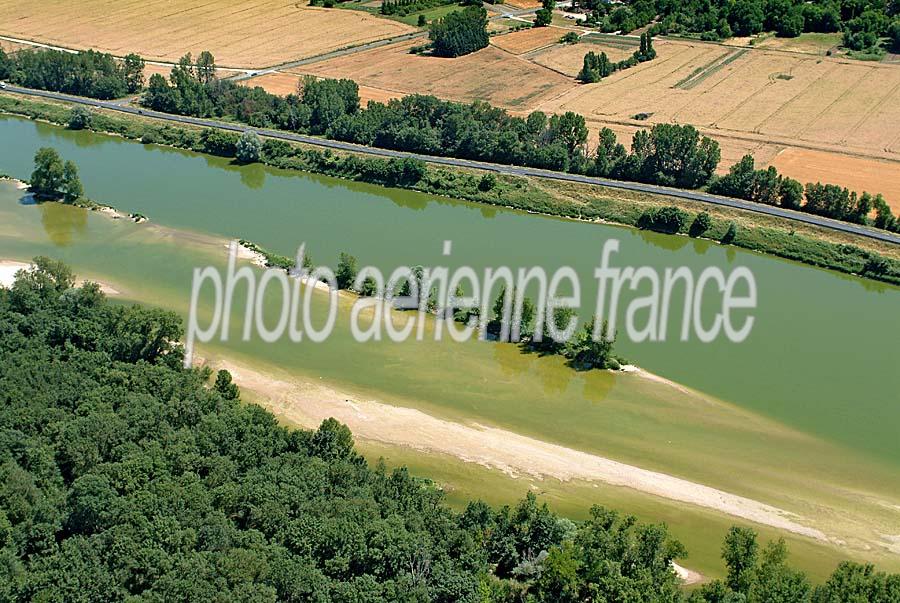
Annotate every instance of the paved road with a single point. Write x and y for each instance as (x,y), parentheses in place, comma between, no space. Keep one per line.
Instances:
(689,195)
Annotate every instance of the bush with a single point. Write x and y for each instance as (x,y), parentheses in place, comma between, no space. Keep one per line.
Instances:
(730,234)
(667,219)
(700,224)
(248,148)
(80,118)
(487,182)
(346,271)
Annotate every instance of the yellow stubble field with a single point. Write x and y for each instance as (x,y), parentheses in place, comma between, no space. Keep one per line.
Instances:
(846,113)
(490,74)
(240,33)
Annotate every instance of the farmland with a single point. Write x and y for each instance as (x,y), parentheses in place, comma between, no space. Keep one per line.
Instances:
(253,34)
(491,74)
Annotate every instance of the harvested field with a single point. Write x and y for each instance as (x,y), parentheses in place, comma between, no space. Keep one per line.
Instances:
(569,58)
(523,3)
(275,83)
(526,40)
(256,34)
(287,83)
(854,173)
(756,101)
(489,74)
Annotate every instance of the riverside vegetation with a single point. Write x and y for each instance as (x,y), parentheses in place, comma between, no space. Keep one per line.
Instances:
(126,475)
(507,191)
(668,154)
(581,350)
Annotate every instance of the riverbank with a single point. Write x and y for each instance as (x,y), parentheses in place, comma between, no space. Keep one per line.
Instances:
(809,244)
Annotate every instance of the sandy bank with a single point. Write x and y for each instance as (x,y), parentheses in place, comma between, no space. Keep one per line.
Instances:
(307,404)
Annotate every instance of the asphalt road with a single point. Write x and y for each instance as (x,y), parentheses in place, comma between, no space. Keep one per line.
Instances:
(879,235)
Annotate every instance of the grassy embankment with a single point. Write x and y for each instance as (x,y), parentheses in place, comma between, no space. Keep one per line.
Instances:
(765,234)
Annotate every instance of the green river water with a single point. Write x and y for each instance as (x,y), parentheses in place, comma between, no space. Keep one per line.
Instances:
(821,361)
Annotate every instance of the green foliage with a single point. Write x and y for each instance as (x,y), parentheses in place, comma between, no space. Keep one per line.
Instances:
(403,8)
(700,224)
(571,37)
(87,73)
(80,118)
(543,17)
(71,189)
(248,148)
(346,271)
(48,176)
(667,219)
(510,191)
(460,32)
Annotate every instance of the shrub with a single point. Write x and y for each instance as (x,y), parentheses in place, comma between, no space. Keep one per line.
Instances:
(346,271)
(667,219)
(700,224)
(248,148)
(80,118)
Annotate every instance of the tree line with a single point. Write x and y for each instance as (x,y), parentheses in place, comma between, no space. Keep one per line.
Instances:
(667,154)
(767,186)
(862,22)
(596,67)
(89,73)
(124,476)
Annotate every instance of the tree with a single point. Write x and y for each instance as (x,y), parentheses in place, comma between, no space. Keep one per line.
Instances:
(543,17)
(746,17)
(459,32)
(422,21)
(206,67)
(48,176)
(133,66)
(225,387)
(740,551)
(586,353)
(730,234)
(894,35)
(346,271)
(248,147)
(71,185)
(80,118)
(700,224)
(790,193)
(569,129)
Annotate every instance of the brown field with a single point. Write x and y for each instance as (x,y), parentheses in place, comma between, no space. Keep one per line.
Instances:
(526,40)
(755,101)
(489,74)
(287,83)
(568,58)
(276,83)
(258,33)
(852,172)
(523,3)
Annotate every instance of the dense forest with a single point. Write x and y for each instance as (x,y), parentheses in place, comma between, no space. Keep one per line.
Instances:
(863,22)
(125,476)
(87,73)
